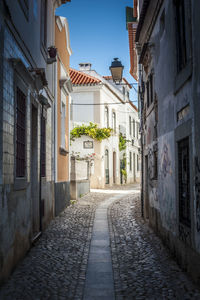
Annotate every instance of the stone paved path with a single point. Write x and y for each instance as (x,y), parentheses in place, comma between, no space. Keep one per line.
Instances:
(99,277)
(143,268)
(55,268)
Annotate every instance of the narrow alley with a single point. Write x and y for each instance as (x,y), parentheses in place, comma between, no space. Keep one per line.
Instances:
(62,262)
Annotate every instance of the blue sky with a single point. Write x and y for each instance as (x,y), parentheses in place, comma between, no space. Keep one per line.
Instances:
(98,34)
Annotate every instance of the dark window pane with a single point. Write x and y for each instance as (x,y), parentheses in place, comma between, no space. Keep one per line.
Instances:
(184,181)
(20,134)
(43,147)
(180,34)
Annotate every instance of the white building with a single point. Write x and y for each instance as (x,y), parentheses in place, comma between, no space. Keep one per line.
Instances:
(95,99)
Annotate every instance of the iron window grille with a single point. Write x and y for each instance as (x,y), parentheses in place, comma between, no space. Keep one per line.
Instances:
(184,181)
(20,134)
(43,147)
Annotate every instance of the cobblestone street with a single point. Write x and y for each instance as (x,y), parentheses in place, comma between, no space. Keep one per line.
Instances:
(55,267)
(143,268)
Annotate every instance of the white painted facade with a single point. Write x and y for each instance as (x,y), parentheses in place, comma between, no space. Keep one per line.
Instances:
(98,97)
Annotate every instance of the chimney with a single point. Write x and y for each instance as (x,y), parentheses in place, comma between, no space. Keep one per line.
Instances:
(85,66)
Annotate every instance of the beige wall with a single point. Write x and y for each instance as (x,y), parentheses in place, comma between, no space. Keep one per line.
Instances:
(63,58)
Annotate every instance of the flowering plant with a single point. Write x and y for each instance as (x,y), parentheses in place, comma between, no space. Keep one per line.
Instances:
(92,131)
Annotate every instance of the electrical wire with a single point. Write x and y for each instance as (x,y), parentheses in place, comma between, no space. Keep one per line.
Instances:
(100,103)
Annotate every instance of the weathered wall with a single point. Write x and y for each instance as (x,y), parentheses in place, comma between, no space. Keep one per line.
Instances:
(16,197)
(177,94)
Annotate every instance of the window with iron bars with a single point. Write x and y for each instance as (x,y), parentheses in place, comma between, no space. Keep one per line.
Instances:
(20,134)
(184,181)
(43,147)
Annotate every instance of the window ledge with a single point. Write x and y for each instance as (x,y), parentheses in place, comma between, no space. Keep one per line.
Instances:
(63,151)
(182,77)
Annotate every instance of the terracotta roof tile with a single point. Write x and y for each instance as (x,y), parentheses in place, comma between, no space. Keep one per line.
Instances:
(132,50)
(80,78)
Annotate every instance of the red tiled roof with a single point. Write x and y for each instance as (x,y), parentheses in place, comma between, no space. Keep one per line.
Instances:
(132,50)
(80,78)
(110,78)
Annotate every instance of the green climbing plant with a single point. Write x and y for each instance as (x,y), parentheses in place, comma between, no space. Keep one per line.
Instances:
(122,142)
(91,130)
(123,167)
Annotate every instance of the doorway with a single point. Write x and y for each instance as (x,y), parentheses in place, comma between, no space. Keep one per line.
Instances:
(34,173)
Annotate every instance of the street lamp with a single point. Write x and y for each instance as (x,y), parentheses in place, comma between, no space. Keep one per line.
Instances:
(116,70)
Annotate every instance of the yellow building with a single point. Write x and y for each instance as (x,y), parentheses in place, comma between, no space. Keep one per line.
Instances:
(64,87)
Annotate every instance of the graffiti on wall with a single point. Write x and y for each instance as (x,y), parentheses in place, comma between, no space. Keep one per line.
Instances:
(165,162)
(166,189)
(197,192)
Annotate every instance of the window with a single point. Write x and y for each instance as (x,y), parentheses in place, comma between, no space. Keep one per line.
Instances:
(43,146)
(180,34)
(130,125)
(138,163)
(137,129)
(155,165)
(114,121)
(44,23)
(63,125)
(20,134)
(133,127)
(106,117)
(130,160)
(184,181)
(107,166)
(149,89)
